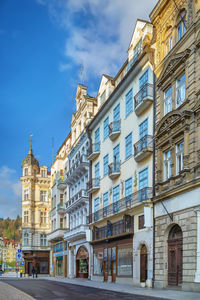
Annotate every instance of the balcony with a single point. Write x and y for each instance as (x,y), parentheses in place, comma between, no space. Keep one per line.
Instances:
(143,148)
(122,205)
(111,230)
(81,231)
(93,185)
(61,183)
(56,235)
(94,151)
(60,209)
(80,198)
(144,98)
(77,169)
(114,170)
(114,130)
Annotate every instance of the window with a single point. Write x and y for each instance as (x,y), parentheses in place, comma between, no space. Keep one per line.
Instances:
(168,100)
(61,222)
(43,195)
(141,222)
(43,240)
(116,198)
(128,187)
(143,128)
(181,28)
(105,199)
(106,128)
(128,146)
(168,45)
(143,79)
(116,157)
(25,171)
(125,262)
(61,199)
(43,217)
(96,171)
(116,113)
(167,164)
(143,184)
(98,262)
(26,239)
(96,208)
(26,216)
(43,173)
(97,135)
(179,157)
(180,90)
(129,102)
(105,165)
(26,194)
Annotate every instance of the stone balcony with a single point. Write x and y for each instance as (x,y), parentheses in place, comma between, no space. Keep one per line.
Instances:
(114,130)
(56,235)
(77,169)
(79,232)
(94,151)
(114,170)
(144,98)
(81,198)
(60,208)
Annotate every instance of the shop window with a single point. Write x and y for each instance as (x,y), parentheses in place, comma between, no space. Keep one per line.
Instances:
(44,267)
(141,222)
(125,262)
(98,262)
(168,100)
(179,157)
(180,90)
(167,164)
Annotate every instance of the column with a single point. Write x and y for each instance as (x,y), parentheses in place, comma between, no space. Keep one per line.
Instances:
(70,263)
(197,274)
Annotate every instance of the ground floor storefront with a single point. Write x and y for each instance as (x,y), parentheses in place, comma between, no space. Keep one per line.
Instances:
(37,259)
(59,259)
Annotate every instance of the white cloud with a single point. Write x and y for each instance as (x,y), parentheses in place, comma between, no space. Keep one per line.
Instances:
(98,31)
(10,193)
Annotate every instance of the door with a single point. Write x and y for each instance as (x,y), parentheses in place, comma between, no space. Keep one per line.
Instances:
(113,264)
(175,247)
(30,267)
(143,263)
(105,264)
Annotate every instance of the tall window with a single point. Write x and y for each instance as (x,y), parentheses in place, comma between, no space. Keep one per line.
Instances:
(180,90)
(105,165)
(61,222)
(96,170)
(181,28)
(106,128)
(143,184)
(143,128)
(143,79)
(26,216)
(167,164)
(116,113)
(26,194)
(116,155)
(43,173)
(128,187)
(168,45)
(43,240)
(43,217)
(25,171)
(97,135)
(129,102)
(179,157)
(116,193)
(137,50)
(168,100)
(128,146)
(61,199)
(96,208)
(105,199)
(26,238)
(43,195)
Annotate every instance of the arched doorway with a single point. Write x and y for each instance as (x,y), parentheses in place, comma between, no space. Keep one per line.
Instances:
(175,247)
(143,263)
(82,259)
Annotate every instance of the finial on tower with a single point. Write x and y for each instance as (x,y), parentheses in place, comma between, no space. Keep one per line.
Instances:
(82,75)
(30,149)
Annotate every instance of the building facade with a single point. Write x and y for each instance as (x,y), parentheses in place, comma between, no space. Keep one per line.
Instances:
(176,202)
(59,218)
(36,203)
(121,217)
(76,176)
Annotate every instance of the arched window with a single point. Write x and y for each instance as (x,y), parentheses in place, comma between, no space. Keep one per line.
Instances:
(181,24)
(175,232)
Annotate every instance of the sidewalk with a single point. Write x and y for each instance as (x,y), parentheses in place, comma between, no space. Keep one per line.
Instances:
(164,293)
(9,292)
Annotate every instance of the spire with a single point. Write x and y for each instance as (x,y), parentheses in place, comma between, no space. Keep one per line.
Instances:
(30,149)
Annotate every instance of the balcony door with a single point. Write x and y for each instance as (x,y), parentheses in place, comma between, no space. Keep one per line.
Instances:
(116,156)
(142,81)
(116,113)
(116,198)
(143,183)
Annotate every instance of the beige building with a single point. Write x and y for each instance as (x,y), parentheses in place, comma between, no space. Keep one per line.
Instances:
(36,204)
(59,218)
(177,139)
(121,154)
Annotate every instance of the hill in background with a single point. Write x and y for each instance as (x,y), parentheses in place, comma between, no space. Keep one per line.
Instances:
(11,228)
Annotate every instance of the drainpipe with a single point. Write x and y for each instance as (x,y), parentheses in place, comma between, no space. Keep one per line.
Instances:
(154,125)
(90,207)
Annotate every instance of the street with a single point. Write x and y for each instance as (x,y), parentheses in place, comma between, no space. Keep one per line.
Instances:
(44,289)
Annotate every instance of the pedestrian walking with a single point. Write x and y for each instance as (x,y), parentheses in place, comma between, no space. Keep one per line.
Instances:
(36,272)
(33,271)
(21,272)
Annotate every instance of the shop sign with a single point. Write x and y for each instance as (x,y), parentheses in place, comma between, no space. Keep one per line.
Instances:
(60,253)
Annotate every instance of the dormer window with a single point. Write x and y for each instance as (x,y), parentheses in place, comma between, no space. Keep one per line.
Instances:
(103,97)
(181,27)
(137,50)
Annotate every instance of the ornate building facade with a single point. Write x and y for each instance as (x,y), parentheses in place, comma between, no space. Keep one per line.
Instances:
(121,216)
(36,204)
(177,135)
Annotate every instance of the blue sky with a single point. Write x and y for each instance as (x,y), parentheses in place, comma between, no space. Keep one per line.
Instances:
(43,43)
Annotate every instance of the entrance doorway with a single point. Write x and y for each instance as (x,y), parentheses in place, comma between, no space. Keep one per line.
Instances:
(30,267)
(143,263)
(82,258)
(175,248)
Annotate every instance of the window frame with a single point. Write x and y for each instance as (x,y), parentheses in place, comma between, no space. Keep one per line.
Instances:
(128,145)
(129,103)
(106,128)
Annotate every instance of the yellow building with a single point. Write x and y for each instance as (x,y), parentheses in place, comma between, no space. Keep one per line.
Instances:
(36,205)
(177,135)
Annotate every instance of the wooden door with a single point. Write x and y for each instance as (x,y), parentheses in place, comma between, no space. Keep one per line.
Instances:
(105,271)
(175,247)
(113,271)
(143,263)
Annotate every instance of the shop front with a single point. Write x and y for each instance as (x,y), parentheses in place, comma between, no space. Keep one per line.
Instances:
(113,260)
(36,259)
(60,259)
(82,262)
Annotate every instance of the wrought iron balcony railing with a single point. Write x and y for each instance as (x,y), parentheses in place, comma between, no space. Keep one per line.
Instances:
(143,98)
(80,195)
(93,185)
(114,129)
(77,166)
(121,205)
(143,147)
(114,169)
(94,151)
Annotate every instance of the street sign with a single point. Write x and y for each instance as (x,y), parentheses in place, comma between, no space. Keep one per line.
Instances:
(18,263)
(19,250)
(19,256)
(22,263)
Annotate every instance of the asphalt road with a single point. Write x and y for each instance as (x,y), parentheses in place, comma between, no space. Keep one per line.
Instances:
(46,290)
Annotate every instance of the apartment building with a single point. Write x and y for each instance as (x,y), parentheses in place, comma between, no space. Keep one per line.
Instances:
(36,203)
(59,218)
(177,142)
(76,177)
(120,216)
